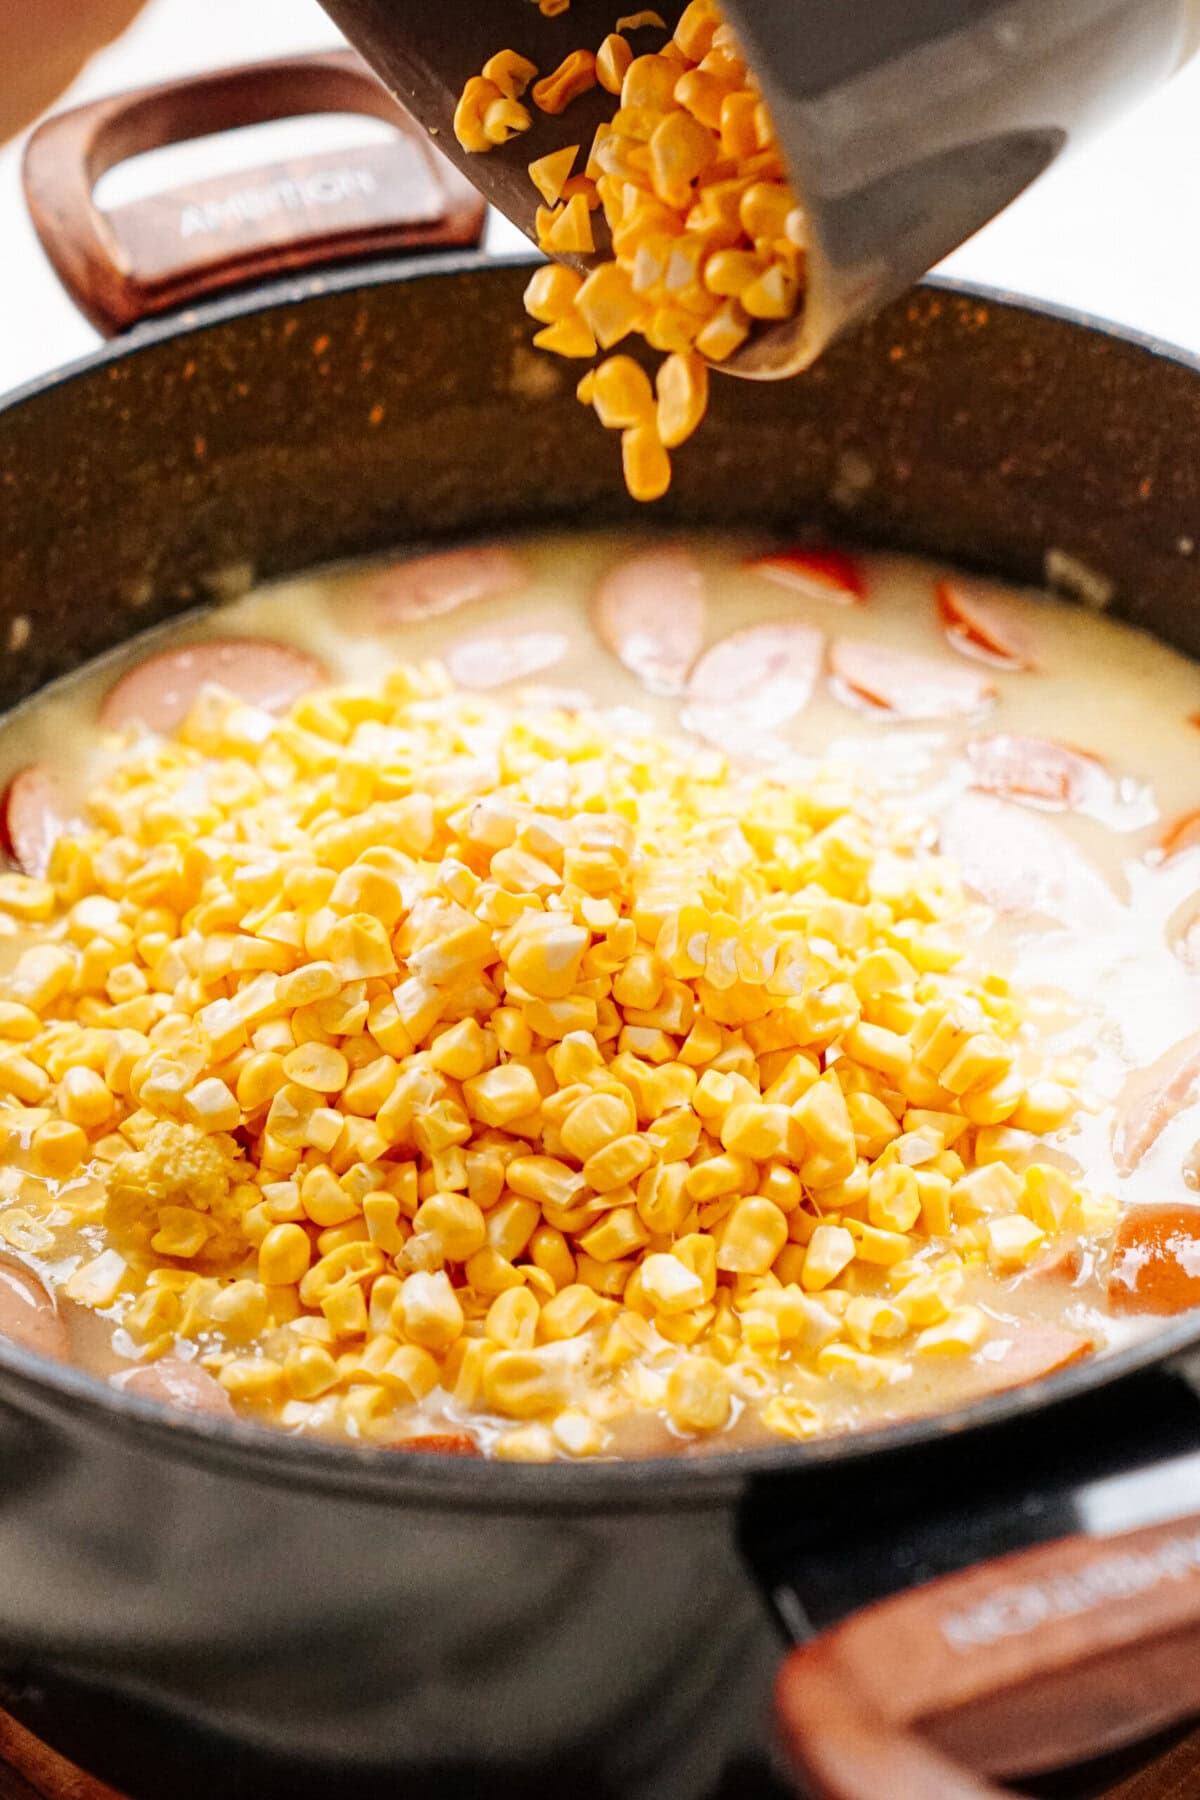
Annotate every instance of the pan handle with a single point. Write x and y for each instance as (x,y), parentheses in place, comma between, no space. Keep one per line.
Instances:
(1025,1663)
(148,257)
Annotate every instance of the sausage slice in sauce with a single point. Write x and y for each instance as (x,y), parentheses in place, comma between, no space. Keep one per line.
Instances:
(494,658)
(981,625)
(1034,769)
(766,672)
(177,1383)
(649,611)
(1150,1098)
(1030,1353)
(881,679)
(1156,1263)
(427,586)
(159,692)
(440,1443)
(817,574)
(33,816)
(1020,863)
(28,1315)
(1181,834)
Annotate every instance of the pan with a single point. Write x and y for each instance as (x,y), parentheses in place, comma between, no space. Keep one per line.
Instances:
(200,1607)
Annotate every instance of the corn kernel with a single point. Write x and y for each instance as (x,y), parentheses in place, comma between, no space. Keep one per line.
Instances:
(698,1396)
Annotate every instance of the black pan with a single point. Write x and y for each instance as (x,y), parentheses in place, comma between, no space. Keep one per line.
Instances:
(218,1610)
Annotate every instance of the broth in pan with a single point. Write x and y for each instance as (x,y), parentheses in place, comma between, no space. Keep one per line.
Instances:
(586,997)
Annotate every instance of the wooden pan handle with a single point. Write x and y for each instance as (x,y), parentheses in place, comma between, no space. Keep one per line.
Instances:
(1024,1664)
(122,265)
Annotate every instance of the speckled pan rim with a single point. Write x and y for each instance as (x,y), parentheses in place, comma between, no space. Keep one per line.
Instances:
(382,1475)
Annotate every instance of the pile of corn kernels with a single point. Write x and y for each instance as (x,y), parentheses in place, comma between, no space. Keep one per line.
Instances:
(415,1047)
(706,235)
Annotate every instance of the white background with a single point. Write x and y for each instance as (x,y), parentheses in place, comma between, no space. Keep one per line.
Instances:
(1114,231)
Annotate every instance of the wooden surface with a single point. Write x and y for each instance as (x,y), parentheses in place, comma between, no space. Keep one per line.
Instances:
(30,1771)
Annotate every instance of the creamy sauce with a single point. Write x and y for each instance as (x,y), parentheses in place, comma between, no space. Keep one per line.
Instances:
(1089,918)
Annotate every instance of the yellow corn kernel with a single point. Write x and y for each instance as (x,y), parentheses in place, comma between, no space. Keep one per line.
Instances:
(724,333)
(98,1281)
(681,149)
(682,388)
(573,1309)
(781,1186)
(550,294)
(647,468)
(934,1193)
(1046,1107)
(698,1396)
(324,1200)
(476,96)
(510,1227)
(597,1120)
(1012,1243)
(284,1256)
(512,1319)
(428,1310)
(612,60)
(861,1369)
(521,1384)
(84,1098)
(983,1191)
(928,1299)
(500,1095)
(58,1148)
(413,1370)
(453,1224)
(719,1175)
(617,1163)
(1045,1196)
(868,1318)
(252,1378)
(462,1050)
(309,1371)
(772,296)
(893,1198)
(549,175)
(697,25)
(573,77)
(509,72)
(618,1235)
(958,1335)
(754,1234)
(611,309)
(550,1252)
(755,1130)
(621,393)
(830,1250)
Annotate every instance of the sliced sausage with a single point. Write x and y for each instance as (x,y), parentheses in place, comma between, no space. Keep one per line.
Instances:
(765,673)
(28,1315)
(909,687)
(1020,863)
(176,1383)
(1183,933)
(427,586)
(1150,1098)
(33,816)
(495,657)
(440,1443)
(649,611)
(1029,768)
(159,692)
(1156,1262)
(818,574)
(1181,834)
(1030,1353)
(980,624)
